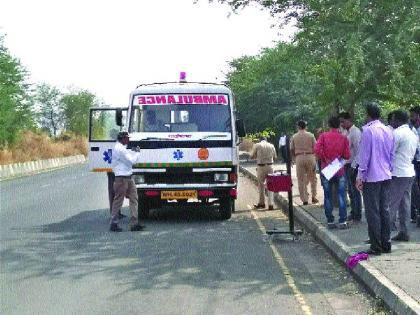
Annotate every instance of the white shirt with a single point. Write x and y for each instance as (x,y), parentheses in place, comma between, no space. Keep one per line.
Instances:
(354,135)
(123,160)
(417,132)
(405,145)
(282,141)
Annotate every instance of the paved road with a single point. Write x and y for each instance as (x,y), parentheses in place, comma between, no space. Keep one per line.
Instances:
(57,257)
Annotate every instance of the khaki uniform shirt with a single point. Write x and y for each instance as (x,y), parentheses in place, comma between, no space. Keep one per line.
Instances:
(302,142)
(264,153)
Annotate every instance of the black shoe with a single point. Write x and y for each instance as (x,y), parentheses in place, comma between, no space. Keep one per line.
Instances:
(137,227)
(401,237)
(115,228)
(343,226)
(331,226)
(305,203)
(121,216)
(375,252)
(386,247)
(270,207)
(350,217)
(259,206)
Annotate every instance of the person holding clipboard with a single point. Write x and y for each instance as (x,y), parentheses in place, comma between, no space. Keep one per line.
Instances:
(332,148)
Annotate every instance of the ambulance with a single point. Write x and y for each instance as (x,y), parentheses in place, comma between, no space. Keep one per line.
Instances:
(187,133)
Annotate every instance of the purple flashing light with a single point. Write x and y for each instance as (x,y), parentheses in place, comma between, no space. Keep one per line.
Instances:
(182,76)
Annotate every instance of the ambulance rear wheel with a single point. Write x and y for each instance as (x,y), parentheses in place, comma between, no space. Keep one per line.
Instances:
(143,209)
(226,207)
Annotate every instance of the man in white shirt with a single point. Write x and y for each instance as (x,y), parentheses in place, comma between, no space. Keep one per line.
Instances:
(282,148)
(353,135)
(123,160)
(405,145)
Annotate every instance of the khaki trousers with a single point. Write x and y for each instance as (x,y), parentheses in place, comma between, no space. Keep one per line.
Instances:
(124,186)
(305,172)
(262,172)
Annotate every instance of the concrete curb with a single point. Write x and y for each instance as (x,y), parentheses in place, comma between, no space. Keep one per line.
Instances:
(397,299)
(27,168)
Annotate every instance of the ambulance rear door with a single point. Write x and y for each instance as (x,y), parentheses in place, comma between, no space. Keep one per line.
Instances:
(103,131)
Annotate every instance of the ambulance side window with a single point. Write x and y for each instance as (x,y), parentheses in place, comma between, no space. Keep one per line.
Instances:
(103,126)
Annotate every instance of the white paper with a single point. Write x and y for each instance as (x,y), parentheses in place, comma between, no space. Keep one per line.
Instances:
(331,169)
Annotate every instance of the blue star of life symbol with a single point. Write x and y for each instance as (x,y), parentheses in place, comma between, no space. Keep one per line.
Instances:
(108,156)
(178,154)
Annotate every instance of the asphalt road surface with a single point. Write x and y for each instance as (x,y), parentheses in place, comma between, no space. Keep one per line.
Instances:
(58,257)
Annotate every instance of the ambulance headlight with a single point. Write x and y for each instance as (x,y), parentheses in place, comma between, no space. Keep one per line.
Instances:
(139,179)
(221,177)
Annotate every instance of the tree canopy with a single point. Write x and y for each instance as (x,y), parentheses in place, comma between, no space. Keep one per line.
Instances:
(346,52)
(15,104)
(50,112)
(39,107)
(76,110)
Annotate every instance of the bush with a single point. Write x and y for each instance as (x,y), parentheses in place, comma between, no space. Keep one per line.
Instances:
(34,146)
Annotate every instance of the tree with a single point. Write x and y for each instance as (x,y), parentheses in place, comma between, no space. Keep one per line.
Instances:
(76,110)
(15,106)
(272,89)
(50,109)
(347,51)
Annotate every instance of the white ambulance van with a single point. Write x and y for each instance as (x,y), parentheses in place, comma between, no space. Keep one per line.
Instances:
(188,135)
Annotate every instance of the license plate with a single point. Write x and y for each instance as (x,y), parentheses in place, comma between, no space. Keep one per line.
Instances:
(178,194)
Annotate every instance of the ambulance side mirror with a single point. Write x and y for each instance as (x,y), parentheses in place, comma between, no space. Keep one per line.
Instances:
(118,117)
(240,128)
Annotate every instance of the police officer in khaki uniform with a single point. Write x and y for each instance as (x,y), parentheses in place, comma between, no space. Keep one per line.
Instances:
(302,152)
(265,154)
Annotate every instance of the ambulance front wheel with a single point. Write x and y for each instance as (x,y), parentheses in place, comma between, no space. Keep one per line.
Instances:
(143,208)
(226,208)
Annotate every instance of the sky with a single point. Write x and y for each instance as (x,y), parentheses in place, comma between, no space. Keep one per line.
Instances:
(110,47)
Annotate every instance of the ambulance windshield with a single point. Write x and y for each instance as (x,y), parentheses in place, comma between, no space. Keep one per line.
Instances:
(181,118)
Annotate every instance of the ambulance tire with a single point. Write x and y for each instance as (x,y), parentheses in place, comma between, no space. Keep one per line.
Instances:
(226,207)
(143,209)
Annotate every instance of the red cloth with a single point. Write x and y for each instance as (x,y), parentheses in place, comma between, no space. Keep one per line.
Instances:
(331,145)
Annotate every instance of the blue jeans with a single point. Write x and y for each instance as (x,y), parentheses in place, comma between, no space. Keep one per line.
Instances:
(328,205)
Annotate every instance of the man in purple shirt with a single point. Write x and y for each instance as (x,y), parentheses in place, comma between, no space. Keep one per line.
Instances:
(374,178)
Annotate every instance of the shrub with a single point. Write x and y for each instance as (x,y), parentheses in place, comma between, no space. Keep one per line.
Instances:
(34,146)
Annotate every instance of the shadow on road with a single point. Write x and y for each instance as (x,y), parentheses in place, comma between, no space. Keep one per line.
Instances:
(180,247)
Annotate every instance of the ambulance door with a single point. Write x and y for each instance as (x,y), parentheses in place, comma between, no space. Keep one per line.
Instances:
(103,131)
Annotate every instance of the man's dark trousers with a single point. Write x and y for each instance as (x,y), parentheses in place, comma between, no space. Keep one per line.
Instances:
(415,192)
(111,194)
(376,199)
(354,194)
